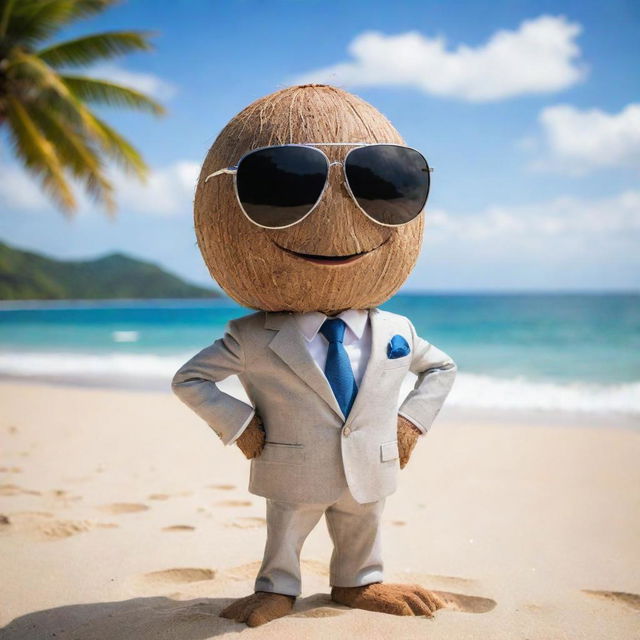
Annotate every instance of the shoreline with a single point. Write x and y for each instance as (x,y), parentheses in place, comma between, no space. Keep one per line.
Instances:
(481,415)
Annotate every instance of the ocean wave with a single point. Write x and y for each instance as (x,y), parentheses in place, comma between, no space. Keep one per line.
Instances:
(469,391)
(482,391)
(113,366)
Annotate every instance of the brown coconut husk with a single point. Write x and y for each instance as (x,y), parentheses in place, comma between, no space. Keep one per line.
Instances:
(243,258)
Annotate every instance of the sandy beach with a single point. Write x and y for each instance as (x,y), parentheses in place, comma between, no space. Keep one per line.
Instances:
(123,516)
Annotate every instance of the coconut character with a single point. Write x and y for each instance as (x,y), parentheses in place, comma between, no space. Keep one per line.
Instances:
(309,209)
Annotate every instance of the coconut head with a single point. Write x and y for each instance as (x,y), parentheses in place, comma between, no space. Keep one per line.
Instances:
(271,269)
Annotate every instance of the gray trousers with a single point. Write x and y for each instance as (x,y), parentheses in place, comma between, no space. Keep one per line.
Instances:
(355,532)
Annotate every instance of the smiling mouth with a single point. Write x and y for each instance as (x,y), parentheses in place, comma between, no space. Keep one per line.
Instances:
(329,260)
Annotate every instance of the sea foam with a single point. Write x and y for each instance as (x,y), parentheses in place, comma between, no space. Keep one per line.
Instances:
(469,391)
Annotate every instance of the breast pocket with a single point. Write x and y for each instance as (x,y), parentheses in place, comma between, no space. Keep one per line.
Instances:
(398,363)
(282,453)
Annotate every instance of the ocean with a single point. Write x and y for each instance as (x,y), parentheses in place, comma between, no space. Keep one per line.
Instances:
(564,352)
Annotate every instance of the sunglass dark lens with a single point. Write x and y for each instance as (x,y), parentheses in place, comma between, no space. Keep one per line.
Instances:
(278,186)
(390,182)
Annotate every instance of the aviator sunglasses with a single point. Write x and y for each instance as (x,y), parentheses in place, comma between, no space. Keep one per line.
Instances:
(279,186)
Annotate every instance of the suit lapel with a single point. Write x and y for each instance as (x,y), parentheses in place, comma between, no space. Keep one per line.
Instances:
(373,371)
(289,344)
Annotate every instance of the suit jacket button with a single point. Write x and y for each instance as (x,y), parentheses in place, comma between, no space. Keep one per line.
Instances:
(346,431)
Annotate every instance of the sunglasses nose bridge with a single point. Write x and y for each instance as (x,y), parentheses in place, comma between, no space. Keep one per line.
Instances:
(343,183)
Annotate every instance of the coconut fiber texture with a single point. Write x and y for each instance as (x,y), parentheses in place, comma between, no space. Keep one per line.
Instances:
(259,608)
(397,599)
(408,435)
(251,263)
(251,441)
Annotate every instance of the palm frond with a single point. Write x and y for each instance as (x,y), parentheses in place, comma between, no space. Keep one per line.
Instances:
(29,21)
(75,111)
(38,154)
(6,7)
(88,49)
(97,91)
(48,116)
(120,149)
(76,153)
(50,87)
(87,8)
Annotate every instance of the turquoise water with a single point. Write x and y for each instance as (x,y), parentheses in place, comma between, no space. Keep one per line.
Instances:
(574,350)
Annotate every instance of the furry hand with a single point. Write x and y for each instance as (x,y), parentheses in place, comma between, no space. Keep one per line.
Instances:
(408,435)
(251,442)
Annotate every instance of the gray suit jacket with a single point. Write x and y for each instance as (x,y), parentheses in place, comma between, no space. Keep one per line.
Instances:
(310,448)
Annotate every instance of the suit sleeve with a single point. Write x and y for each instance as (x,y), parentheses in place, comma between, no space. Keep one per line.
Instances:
(436,372)
(195,384)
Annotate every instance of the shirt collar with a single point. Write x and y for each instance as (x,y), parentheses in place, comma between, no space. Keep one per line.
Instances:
(355,319)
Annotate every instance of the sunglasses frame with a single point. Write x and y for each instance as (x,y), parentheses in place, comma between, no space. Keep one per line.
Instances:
(233,170)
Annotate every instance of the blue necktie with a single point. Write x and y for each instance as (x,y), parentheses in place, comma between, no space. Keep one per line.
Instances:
(338,367)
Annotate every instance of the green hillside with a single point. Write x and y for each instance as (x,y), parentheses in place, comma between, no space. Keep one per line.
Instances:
(28,276)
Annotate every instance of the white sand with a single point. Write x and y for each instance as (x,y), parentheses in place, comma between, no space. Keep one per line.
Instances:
(127,518)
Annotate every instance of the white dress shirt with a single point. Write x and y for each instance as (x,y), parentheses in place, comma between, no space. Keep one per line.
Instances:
(357,338)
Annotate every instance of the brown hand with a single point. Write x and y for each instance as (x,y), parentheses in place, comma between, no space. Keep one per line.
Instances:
(408,435)
(251,442)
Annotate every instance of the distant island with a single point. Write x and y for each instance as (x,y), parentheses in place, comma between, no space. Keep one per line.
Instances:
(25,275)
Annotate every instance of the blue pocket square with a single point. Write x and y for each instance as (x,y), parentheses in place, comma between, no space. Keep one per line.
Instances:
(397,347)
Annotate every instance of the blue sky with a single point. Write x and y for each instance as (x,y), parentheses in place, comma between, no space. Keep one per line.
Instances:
(529,112)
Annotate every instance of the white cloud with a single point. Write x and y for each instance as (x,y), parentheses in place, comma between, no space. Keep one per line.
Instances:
(19,192)
(563,243)
(575,141)
(564,217)
(145,82)
(539,56)
(168,191)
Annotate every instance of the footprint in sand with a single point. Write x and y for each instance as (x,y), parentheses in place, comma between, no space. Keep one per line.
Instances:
(247,523)
(320,605)
(234,503)
(243,571)
(630,599)
(222,487)
(466,604)
(454,601)
(41,525)
(15,490)
(179,527)
(166,496)
(178,576)
(123,507)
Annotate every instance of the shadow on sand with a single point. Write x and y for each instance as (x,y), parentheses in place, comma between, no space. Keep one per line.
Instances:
(160,617)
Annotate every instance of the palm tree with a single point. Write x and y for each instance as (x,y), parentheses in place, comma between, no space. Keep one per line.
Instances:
(45,108)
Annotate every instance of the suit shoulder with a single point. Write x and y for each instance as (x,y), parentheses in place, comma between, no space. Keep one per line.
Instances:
(395,318)
(247,323)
